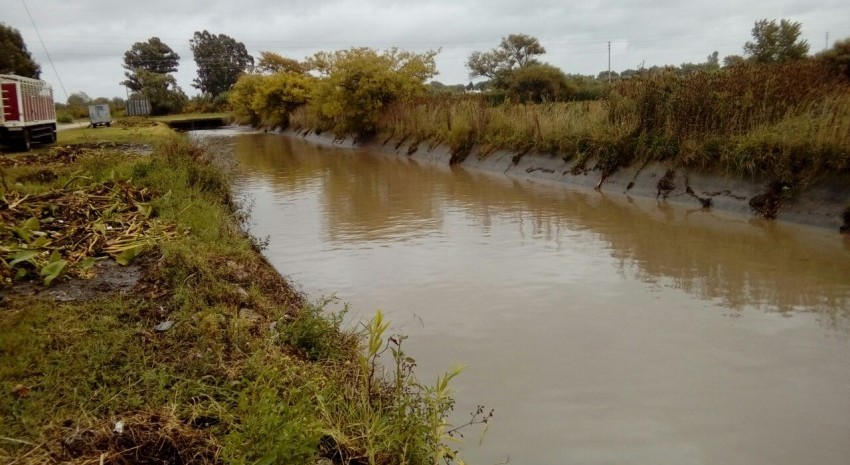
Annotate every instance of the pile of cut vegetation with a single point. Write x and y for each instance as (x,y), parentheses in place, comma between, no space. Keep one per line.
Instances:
(67,230)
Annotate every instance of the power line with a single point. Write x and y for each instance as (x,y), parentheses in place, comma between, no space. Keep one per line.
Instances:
(52,65)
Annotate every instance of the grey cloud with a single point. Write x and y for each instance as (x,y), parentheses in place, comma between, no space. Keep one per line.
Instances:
(87,38)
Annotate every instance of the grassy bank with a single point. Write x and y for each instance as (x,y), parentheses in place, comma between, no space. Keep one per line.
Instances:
(786,122)
(790,123)
(196,350)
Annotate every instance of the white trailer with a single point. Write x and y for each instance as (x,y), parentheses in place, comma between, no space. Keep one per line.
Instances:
(99,116)
(28,112)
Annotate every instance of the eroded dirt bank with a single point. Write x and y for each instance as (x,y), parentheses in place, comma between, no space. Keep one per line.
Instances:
(824,203)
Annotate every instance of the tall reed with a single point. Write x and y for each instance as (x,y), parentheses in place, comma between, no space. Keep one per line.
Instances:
(788,120)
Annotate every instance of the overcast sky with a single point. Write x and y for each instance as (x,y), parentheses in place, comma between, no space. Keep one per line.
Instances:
(87,38)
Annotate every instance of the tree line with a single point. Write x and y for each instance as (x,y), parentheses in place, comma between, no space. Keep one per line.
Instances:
(512,70)
(149,68)
(514,67)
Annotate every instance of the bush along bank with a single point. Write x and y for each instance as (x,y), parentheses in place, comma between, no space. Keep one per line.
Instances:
(783,127)
(139,324)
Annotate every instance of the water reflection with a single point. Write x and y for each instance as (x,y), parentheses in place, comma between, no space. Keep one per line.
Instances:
(372,198)
(602,329)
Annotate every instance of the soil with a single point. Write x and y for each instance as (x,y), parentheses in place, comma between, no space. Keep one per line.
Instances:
(819,203)
(109,277)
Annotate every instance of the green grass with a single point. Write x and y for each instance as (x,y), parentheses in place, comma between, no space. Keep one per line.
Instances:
(786,122)
(465,123)
(115,134)
(249,372)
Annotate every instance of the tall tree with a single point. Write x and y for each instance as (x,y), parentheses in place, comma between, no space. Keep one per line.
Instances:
(774,42)
(153,56)
(220,59)
(712,61)
(515,51)
(79,99)
(733,60)
(162,91)
(271,63)
(78,104)
(14,56)
(521,49)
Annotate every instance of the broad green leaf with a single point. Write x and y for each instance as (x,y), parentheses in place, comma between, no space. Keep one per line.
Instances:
(40,242)
(87,263)
(144,209)
(23,256)
(128,255)
(52,271)
(55,257)
(27,228)
(24,234)
(30,224)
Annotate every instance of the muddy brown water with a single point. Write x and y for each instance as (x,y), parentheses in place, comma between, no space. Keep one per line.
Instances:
(601,329)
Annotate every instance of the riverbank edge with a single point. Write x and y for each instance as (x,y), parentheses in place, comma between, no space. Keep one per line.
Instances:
(824,203)
(199,349)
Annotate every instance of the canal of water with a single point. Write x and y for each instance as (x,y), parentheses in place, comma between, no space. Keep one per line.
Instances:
(601,329)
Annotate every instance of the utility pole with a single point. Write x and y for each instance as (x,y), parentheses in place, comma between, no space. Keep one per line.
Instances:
(609,61)
(826,47)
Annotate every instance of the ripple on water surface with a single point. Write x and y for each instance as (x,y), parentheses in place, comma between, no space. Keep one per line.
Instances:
(602,329)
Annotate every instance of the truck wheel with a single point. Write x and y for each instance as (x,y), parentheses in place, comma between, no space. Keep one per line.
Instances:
(26,143)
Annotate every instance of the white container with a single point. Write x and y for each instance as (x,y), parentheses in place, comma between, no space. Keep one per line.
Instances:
(99,115)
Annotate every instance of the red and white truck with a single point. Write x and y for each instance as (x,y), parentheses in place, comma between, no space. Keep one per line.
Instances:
(29,114)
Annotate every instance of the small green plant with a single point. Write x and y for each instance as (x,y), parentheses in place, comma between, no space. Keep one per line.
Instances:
(314,333)
(390,410)
(64,117)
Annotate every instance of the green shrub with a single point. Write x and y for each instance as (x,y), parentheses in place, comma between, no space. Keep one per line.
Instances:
(64,117)
(540,83)
(357,84)
(316,334)
(207,103)
(267,100)
(730,101)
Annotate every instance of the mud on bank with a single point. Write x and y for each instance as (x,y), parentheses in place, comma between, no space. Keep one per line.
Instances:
(824,202)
